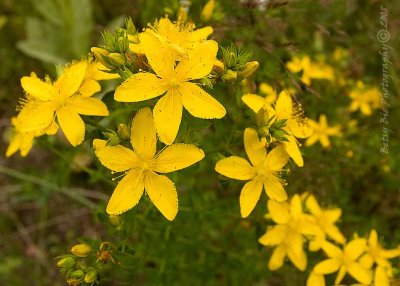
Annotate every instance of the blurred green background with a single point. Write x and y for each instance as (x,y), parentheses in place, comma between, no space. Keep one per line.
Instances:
(47,202)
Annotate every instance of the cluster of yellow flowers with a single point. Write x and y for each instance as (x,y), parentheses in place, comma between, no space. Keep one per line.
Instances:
(302,219)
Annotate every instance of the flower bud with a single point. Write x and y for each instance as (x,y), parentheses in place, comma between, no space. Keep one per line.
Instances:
(77,274)
(122,44)
(262,117)
(66,262)
(90,276)
(81,250)
(218,67)
(116,59)
(229,76)
(207,11)
(115,220)
(100,54)
(112,138)
(130,27)
(123,131)
(249,69)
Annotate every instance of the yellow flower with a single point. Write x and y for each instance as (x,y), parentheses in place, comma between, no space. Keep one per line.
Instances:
(345,261)
(287,235)
(322,132)
(325,219)
(263,171)
(296,124)
(174,82)
(376,254)
(63,99)
(178,39)
(23,141)
(364,99)
(141,166)
(256,102)
(311,70)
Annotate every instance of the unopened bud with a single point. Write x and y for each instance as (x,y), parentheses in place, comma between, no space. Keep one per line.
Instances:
(230,59)
(115,220)
(77,274)
(249,69)
(218,67)
(99,54)
(262,117)
(81,250)
(229,76)
(207,11)
(123,131)
(117,59)
(130,27)
(90,276)
(66,262)
(112,138)
(122,44)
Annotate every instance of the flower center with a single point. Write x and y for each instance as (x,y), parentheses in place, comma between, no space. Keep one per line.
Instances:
(173,82)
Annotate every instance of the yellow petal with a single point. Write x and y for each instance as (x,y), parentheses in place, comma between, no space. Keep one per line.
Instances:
(89,87)
(98,71)
(296,208)
(315,279)
(235,168)
(176,157)
(380,277)
(143,134)
(355,248)
(87,105)
(36,115)
(159,57)
(14,144)
(70,81)
(293,151)
(200,62)
(274,235)
(139,87)
(298,259)
(199,103)
(72,125)
(162,193)
(249,196)
(340,275)
(279,212)
(127,193)
(253,101)
(38,88)
(333,232)
(373,238)
(254,149)
(168,116)
(276,159)
(327,266)
(360,273)
(299,129)
(333,214)
(367,261)
(331,250)
(311,140)
(277,258)
(274,189)
(284,106)
(313,206)
(201,34)
(116,158)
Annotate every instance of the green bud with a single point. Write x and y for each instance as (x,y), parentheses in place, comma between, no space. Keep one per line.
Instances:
(66,262)
(112,138)
(206,82)
(229,76)
(230,59)
(122,44)
(130,27)
(262,117)
(115,220)
(249,69)
(116,59)
(90,276)
(100,55)
(81,250)
(123,131)
(77,274)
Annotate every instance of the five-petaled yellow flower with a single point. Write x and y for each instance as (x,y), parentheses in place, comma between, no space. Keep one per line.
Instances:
(322,132)
(287,235)
(263,171)
(376,254)
(296,124)
(66,99)
(344,261)
(141,166)
(175,82)
(325,219)
(364,99)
